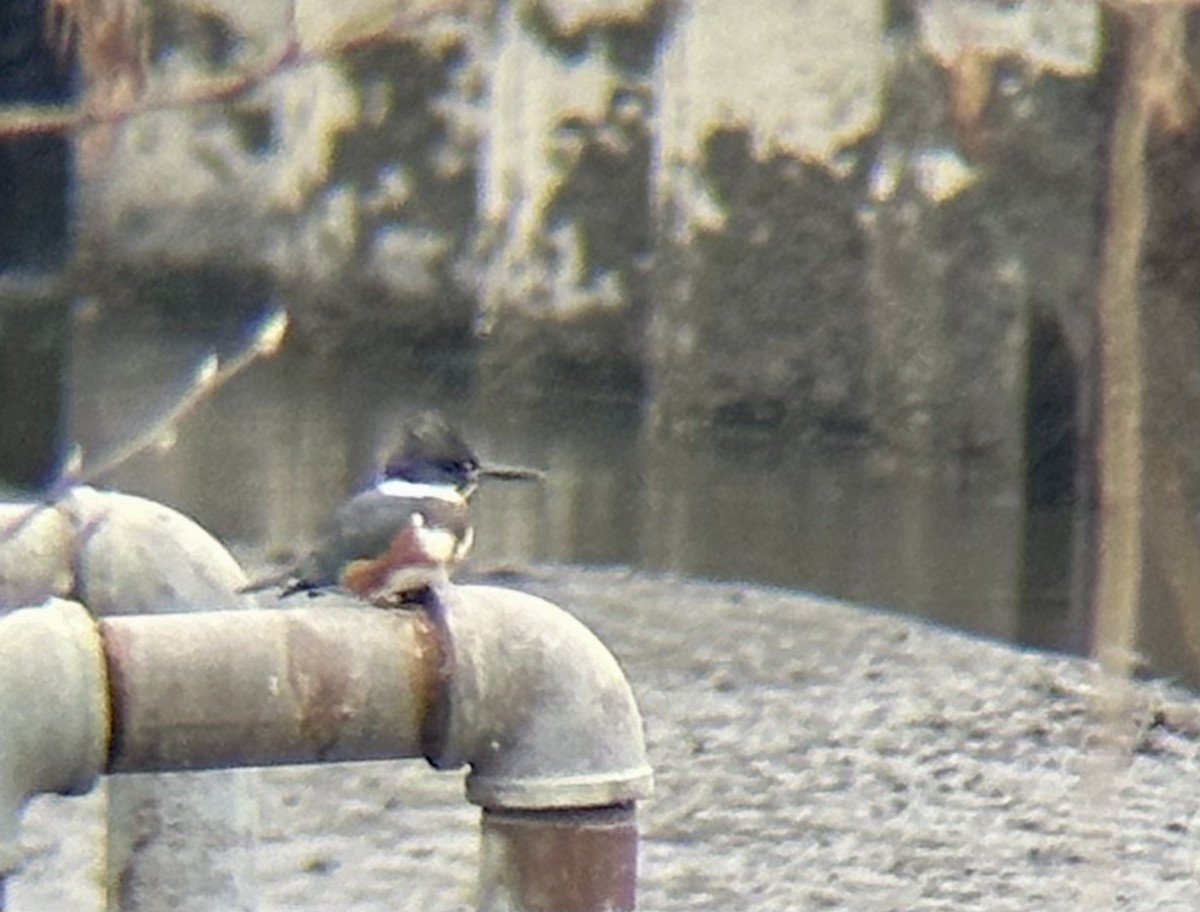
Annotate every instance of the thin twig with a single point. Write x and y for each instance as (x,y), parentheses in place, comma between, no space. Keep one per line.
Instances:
(210,375)
(32,120)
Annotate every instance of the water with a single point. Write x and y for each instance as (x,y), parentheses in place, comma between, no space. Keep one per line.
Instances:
(265,459)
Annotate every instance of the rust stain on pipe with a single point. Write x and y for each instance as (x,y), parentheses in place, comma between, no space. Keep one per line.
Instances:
(433,671)
(205,690)
(323,682)
(577,860)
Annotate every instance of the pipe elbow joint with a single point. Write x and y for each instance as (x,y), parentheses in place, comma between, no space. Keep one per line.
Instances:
(535,704)
(54,713)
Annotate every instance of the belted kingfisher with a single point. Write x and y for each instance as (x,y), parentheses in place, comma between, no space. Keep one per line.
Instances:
(408,529)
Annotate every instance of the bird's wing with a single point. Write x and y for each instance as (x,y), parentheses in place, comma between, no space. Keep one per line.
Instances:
(365,526)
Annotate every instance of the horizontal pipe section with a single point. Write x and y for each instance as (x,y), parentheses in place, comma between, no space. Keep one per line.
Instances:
(261,687)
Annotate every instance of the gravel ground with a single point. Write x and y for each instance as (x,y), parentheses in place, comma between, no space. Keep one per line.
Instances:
(809,755)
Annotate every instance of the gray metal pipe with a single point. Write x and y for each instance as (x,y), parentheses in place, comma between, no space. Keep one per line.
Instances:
(116,553)
(541,711)
(582,860)
(255,688)
(53,711)
(502,681)
(537,706)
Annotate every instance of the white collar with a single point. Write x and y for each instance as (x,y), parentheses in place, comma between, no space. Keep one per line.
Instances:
(399,487)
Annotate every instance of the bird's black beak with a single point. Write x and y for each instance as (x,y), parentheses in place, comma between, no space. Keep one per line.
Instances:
(511,473)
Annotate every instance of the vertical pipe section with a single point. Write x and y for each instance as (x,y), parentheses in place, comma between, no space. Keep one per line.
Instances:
(582,860)
(137,556)
(545,717)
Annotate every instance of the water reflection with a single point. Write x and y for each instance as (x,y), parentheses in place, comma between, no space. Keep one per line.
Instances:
(825,521)
(268,458)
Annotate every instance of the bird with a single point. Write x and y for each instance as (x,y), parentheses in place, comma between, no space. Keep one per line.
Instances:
(407,530)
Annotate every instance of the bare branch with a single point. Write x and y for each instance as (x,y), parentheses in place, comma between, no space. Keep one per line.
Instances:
(29,120)
(209,376)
